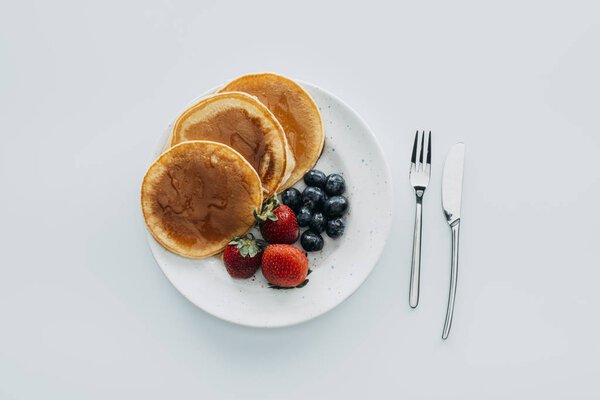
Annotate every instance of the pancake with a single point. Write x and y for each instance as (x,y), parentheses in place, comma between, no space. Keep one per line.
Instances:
(245,124)
(295,110)
(199,194)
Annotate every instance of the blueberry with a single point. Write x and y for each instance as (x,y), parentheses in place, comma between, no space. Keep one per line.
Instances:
(317,223)
(313,197)
(292,198)
(335,228)
(335,207)
(335,185)
(311,241)
(304,216)
(314,177)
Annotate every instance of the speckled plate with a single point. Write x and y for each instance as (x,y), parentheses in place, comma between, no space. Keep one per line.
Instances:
(338,270)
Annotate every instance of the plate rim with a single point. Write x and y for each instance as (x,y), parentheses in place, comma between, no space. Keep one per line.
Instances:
(379,251)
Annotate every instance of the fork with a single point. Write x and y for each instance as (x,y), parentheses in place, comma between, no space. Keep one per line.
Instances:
(419,179)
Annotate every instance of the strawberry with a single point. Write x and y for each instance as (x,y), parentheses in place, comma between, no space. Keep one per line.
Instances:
(242,256)
(284,266)
(278,223)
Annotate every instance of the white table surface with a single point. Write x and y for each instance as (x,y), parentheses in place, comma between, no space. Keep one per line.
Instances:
(85,90)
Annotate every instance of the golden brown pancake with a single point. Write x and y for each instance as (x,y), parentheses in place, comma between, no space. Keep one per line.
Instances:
(295,110)
(245,124)
(199,194)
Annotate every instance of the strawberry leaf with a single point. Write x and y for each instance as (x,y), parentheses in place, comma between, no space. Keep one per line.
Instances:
(302,284)
(266,212)
(253,251)
(248,246)
(271,286)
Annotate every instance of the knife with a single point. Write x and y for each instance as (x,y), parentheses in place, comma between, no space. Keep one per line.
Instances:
(452,182)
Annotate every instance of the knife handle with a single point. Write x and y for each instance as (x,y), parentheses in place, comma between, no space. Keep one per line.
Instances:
(453,279)
(415,269)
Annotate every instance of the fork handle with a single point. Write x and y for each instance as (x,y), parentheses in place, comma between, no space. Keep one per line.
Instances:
(453,279)
(415,269)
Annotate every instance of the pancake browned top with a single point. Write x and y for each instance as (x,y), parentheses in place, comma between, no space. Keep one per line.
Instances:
(198,195)
(295,110)
(244,123)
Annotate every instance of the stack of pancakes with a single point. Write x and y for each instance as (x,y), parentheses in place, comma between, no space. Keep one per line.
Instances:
(255,137)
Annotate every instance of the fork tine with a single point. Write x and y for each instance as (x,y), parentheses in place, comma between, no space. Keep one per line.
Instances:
(413,159)
(422,149)
(429,149)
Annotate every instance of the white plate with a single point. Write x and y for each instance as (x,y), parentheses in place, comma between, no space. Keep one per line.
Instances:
(338,270)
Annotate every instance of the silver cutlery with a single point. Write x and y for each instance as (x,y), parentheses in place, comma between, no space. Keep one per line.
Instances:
(419,179)
(452,182)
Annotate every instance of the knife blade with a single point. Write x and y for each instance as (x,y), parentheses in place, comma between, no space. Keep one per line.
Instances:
(452,182)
